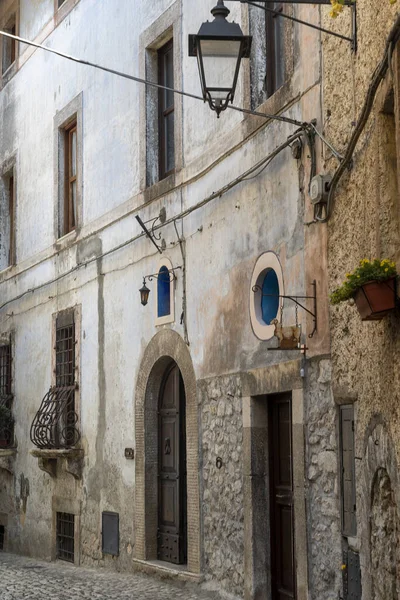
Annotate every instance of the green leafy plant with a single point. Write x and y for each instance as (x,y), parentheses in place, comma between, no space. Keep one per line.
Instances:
(337,7)
(368,270)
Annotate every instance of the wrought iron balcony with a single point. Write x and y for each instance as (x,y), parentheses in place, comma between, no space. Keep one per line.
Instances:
(55,423)
(6,424)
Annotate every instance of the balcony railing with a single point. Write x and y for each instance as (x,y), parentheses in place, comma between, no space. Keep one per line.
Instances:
(55,423)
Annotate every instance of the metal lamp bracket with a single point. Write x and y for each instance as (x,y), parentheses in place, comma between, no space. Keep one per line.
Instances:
(150,232)
(171,272)
(296,299)
(349,3)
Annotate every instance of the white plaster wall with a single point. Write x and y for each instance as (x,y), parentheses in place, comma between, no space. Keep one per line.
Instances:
(223,242)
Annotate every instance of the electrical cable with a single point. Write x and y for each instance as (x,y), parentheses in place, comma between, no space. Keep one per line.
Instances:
(377,78)
(144,81)
(181,215)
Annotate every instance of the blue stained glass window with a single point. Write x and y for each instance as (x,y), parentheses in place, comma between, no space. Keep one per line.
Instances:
(163,292)
(270,297)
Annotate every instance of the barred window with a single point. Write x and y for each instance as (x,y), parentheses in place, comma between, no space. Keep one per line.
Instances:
(65,350)
(5,371)
(65,378)
(65,536)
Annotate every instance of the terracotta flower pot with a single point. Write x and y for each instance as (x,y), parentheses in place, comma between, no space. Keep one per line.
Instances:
(375,299)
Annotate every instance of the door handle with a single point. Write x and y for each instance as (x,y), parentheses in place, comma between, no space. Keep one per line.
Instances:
(167,447)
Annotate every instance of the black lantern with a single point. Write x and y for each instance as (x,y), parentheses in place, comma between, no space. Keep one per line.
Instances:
(219,47)
(144,293)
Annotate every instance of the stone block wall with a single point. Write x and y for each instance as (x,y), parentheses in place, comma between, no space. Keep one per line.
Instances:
(322,475)
(222,488)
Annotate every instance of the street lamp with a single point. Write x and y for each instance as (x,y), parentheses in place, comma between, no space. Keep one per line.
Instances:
(219,47)
(144,293)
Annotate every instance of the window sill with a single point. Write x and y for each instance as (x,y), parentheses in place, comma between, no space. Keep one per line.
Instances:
(160,188)
(64,10)
(275,104)
(7,456)
(9,73)
(47,460)
(164,320)
(5,272)
(66,240)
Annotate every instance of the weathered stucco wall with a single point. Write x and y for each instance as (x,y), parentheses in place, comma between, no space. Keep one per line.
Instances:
(364,224)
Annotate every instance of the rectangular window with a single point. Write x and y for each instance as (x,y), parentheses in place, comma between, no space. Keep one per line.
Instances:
(70,177)
(2,535)
(166,110)
(5,372)
(348,480)
(6,397)
(275,48)
(65,378)
(7,221)
(65,536)
(9,45)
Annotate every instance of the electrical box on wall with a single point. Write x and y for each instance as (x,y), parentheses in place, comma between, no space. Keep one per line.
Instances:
(110,533)
(319,188)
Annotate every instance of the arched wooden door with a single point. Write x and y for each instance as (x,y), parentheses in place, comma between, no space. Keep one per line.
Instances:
(172,503)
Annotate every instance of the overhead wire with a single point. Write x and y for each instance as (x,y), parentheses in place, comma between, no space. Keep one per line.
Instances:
(142,80)
(322,214)
(173,219)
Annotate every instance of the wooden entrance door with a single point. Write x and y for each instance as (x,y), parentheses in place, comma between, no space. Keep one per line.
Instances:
(281,498)
(172,520)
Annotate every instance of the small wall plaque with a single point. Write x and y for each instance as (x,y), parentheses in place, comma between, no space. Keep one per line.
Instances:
(129,453)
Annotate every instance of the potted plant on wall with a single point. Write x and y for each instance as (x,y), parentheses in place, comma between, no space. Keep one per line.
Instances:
(373,286)
(6,426)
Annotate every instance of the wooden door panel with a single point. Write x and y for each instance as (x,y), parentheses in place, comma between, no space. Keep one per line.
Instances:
(172,470)
(281,495)
(169,440)
(169,505)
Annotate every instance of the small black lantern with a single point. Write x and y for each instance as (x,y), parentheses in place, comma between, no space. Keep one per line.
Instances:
(219,47)
(144,293)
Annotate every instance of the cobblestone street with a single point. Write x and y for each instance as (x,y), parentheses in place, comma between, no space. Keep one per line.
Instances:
(29,579)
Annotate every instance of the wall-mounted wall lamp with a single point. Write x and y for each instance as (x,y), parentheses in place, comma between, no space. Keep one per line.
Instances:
(163,273)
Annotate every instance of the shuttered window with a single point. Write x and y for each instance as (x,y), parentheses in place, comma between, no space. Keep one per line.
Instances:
(275,48)
(166,110)
(348,481)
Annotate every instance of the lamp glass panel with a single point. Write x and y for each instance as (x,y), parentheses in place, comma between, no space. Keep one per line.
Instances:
(220,58)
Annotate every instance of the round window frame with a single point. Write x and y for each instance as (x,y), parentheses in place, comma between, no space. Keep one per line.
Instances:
(266,262)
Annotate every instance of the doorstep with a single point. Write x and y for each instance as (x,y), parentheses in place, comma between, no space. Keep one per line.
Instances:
(166,570)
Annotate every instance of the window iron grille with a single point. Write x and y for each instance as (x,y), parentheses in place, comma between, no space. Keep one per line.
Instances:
(55,423)
(5,371)
(6,397)
(65,537)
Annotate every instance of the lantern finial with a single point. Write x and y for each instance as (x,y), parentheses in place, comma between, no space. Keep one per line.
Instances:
(220,10)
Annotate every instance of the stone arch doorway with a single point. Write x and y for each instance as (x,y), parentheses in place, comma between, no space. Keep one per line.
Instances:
(383,538)
(166,356)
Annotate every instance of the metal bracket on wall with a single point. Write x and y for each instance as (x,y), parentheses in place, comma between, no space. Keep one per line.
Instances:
(150,232)
(295,299)
(349,3)
(171,274)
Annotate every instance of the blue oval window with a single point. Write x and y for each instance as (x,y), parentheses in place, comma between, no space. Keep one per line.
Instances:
(163,293)
(270,297)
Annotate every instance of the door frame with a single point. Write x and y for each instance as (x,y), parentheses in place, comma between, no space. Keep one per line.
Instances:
(166,346)
(272,380)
